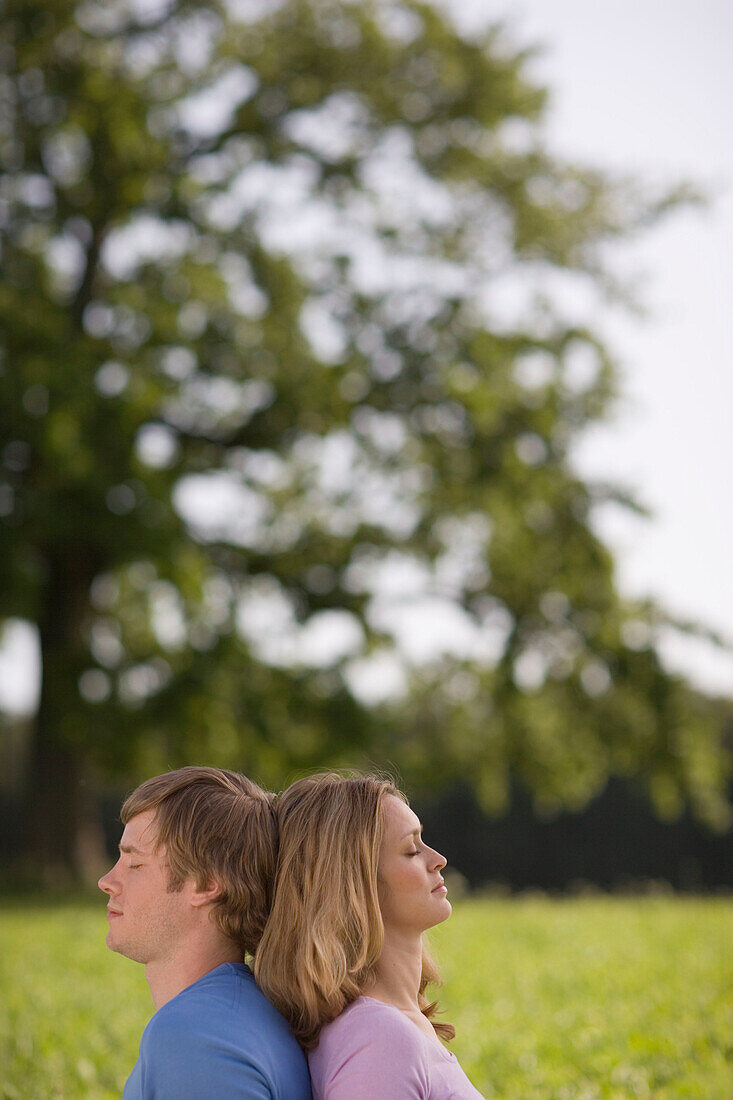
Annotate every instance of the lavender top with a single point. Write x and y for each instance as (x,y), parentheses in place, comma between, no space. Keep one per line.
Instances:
(373,1050)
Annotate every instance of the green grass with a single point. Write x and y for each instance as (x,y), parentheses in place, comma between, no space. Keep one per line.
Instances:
(71,1012)
(583,999)
(552,1000)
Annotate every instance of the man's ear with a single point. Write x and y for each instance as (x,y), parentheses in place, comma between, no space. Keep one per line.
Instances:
(206,895)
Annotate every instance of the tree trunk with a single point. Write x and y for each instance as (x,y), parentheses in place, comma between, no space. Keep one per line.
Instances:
(56,807)
(51,812)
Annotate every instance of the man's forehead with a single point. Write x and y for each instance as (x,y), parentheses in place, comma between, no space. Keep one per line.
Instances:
(141,832)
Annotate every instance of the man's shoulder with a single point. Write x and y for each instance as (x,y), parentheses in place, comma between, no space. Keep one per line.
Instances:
(177,1026)
(230,983)
(224,1002)
(223,1026)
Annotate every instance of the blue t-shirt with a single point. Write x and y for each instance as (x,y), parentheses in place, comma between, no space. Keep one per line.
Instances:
(219,1038)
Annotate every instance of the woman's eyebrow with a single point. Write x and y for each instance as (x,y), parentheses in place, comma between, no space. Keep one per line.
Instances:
(412,832)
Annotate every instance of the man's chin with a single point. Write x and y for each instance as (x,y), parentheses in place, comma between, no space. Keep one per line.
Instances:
(121,948)
(113,944)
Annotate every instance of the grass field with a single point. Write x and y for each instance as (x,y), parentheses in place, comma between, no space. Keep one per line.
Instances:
(552,1000)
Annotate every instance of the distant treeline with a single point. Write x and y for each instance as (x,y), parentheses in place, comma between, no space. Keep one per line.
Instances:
(616,843)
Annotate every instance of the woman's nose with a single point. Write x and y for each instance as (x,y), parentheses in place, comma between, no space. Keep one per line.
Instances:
(438,861)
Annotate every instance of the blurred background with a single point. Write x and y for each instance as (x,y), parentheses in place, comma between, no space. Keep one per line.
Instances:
(364,403)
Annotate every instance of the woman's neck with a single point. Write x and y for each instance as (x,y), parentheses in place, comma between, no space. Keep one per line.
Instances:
(398,971)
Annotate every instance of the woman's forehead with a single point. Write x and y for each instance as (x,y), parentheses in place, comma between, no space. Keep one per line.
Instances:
(399,819)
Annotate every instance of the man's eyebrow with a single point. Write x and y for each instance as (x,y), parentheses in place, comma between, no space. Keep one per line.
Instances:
(130,848)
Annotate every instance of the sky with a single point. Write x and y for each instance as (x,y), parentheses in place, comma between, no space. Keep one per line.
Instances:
(646,88)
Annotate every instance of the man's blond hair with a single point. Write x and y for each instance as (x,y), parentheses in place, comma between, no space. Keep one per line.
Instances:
(216,826)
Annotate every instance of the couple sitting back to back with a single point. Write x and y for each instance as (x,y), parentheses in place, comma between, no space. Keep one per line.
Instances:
(329,888)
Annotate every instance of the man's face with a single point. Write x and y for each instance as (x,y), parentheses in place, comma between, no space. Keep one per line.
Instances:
(146,919)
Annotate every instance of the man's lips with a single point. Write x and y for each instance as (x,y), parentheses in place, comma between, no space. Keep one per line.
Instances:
(113,913)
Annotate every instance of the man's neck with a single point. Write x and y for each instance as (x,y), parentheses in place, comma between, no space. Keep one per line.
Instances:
(169,977)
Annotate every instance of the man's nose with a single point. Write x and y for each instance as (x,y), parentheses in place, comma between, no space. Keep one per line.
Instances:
(107,883)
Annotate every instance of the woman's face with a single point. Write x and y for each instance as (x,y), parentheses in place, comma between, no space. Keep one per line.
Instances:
(412,896)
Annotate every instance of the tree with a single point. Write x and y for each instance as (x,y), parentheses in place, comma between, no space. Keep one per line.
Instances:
(290,309)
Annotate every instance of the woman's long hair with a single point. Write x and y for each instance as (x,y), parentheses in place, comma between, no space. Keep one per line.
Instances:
(325,934)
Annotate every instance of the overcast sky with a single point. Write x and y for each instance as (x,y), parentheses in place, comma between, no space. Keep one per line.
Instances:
(647,86)
(643,86)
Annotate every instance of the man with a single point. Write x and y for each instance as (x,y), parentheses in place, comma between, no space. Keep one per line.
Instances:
(189,898)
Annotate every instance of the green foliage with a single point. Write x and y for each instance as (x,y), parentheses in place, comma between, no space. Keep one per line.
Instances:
(571,1000)
(300,305)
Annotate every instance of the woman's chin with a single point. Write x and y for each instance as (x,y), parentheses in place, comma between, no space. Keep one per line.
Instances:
(443,911)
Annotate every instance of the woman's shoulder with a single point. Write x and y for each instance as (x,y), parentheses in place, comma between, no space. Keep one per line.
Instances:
(371,1049)
(367,1016)
(368,1025)
(374,1049)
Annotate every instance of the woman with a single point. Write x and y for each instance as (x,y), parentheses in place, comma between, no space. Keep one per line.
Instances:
(342,955)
